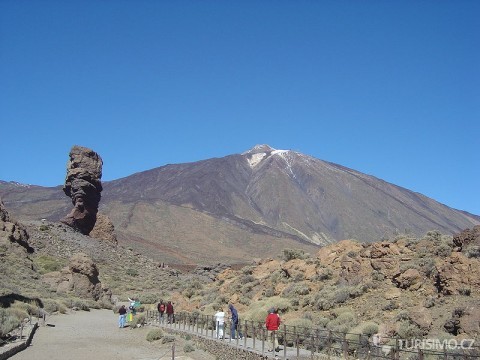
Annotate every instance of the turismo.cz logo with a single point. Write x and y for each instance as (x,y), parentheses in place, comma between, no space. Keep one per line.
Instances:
(437,344)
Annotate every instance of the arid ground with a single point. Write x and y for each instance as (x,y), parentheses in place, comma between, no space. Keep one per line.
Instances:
(95,335)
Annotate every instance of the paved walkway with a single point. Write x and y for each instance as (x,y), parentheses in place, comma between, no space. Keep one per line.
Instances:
(93,335)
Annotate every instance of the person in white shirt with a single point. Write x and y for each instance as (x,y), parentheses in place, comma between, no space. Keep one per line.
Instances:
(220,323)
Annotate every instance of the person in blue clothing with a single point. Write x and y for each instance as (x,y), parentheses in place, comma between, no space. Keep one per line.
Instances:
(122,313)
(235,321)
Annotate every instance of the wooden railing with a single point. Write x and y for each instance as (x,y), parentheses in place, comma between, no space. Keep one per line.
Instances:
(318,343)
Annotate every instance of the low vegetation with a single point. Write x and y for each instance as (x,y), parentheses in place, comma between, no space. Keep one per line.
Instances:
(349,286)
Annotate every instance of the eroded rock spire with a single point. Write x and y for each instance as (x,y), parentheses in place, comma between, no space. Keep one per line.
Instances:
(83,186)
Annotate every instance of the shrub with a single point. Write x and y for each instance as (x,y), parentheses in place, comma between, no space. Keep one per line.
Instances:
(302,325)
(155,334)
(244,301)
(464,291)
(295,289)
(391,305)
(168,339)
(324,303)
(148,298)
(429,302)
(17,312)
(325,274)
(443,250)
(30,308)
(378,276)
(434,236)
(269,292)
(248,270)
(131,272)
(188,347)
(323,321)
(402,315)
(79,304)
(8,322)
(341,295)
(290,254)
(138,320)
(50,306)
(46,264)
(188,293)
(283,305)
(343,322)
(408,330)
(369,328)
(472,251)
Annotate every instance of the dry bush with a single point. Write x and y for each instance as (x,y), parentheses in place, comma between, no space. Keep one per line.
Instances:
(8,322)
(343,322)
(46,264)
(155,334)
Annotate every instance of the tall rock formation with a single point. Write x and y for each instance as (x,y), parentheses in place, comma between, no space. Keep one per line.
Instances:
(83,186)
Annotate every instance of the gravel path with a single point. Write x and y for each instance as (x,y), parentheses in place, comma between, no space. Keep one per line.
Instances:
(95,335)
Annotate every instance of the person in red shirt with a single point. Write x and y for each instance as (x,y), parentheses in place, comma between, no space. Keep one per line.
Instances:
(170,314)
(272,323)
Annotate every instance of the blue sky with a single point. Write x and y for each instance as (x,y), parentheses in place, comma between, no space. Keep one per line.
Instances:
(388,88)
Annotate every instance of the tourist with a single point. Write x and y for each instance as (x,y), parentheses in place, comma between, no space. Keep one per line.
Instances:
(161,311)
(235,321)
(121,318)
(220,322)
(272,323)
(170,313)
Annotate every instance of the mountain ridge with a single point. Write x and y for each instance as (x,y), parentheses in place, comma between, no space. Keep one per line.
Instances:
(261,196)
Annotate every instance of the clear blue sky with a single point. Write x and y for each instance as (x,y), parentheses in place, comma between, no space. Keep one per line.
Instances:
(388,88)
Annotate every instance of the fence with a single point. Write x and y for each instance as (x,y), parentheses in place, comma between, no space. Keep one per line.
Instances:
(316,343)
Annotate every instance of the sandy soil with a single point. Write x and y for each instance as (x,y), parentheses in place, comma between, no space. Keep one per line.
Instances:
(96,335)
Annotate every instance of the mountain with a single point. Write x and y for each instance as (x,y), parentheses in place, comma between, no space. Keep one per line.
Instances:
(247,205)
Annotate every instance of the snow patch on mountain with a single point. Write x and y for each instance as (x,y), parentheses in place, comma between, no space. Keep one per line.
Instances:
(260,152)
(255,159)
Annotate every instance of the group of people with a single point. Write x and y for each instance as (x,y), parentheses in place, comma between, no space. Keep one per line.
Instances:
(220,323)
(272,321)
(272,324)
(165,308)
(123,312)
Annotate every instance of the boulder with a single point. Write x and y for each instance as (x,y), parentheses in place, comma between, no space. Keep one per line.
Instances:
(457,274)
(104,230)
(12,232)
(80,279)
(467,237)
(409,279)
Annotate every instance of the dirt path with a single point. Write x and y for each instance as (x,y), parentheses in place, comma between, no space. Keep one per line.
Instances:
(95,335)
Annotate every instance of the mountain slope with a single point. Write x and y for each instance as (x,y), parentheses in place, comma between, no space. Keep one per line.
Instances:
(248,205)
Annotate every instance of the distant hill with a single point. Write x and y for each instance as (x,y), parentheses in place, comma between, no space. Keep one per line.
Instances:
(247,205)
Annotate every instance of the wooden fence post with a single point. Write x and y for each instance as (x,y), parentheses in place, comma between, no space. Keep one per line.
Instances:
(297,344)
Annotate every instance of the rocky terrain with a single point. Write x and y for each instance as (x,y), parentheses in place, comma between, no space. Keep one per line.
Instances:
(259,229)
(403,287)
(246,206)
